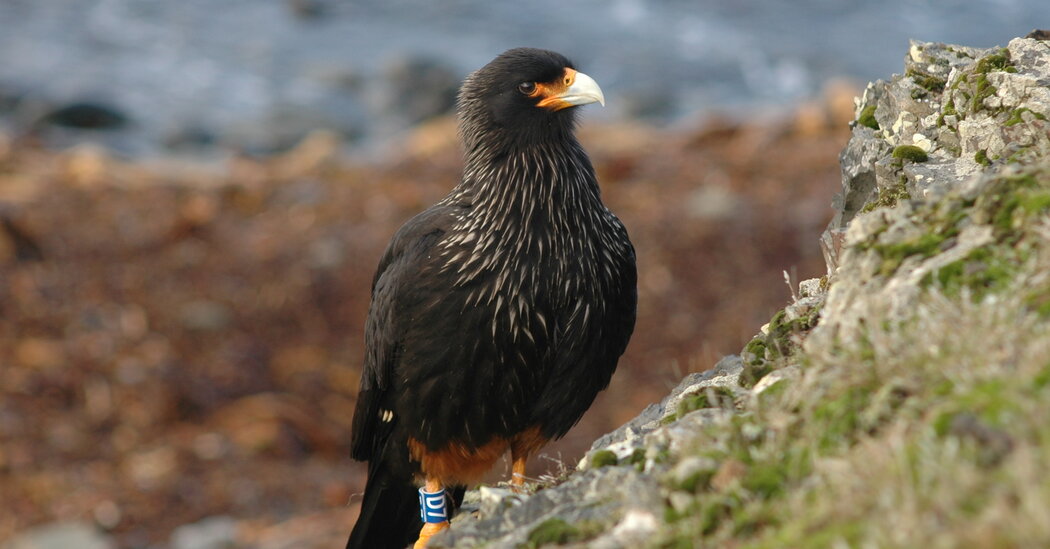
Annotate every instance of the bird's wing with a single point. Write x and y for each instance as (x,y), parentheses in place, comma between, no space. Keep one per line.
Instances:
(407,252)
(587,345)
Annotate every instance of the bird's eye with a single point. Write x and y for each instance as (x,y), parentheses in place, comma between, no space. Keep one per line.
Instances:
(527,87)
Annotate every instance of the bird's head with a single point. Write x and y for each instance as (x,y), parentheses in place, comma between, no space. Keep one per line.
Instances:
(523,96)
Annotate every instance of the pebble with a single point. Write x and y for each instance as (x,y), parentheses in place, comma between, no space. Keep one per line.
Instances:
(211,533)
(61,535)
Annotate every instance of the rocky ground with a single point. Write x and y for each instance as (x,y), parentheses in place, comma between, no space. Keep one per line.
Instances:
(181,343)
(897,402)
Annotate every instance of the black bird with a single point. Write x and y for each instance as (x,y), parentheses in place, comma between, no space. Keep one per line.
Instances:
(497,314)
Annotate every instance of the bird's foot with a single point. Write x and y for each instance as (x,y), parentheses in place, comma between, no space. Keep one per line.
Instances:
(517,483)
(428,531)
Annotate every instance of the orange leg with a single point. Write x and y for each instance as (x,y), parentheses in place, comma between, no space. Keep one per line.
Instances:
(430,528)
(517,478)
(521,447)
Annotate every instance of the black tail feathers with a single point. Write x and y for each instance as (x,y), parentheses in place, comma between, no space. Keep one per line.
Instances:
(389,516)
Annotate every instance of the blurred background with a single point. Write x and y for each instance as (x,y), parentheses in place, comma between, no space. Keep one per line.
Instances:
(194,196)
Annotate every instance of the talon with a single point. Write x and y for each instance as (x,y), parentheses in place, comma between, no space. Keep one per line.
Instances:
(428,531)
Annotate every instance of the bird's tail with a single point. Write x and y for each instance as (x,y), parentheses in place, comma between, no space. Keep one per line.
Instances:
(389,516)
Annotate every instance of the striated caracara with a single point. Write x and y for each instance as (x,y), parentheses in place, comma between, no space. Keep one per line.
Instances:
(497,314)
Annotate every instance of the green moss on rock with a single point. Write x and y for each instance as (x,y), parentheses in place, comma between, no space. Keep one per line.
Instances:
(887,198)
(1015,116)
(1010,201)
(757,349)
(700,480)
(983,89)
(637,458)
(998,61)
(709,397)
(553,531)
(603,458)
(754,372)
(985,270)
(769,350)
(926,245)
(910,153)
(981,157)
(947,110)
(927,81)
(867,117)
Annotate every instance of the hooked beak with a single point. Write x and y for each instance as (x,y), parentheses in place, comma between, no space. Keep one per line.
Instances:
(574,88)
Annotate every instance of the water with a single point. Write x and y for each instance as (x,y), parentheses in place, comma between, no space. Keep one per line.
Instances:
(236,72)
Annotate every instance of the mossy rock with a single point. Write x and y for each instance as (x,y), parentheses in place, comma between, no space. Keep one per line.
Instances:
(1015,116)
(887,198)
(708,397)
(553,531)
(757,349)
(766,352)
(867,117)
(985,270)
(910,153)
(947,110)
(998,61)
(928,82)
(981,157)
(604,458)
(926,245)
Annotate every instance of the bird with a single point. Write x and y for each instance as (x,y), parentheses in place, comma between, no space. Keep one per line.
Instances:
(497,314)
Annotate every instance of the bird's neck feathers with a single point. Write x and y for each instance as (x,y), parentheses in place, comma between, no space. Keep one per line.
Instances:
(553,173)
(502,165)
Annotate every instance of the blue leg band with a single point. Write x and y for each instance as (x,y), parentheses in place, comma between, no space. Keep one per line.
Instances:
(432,508)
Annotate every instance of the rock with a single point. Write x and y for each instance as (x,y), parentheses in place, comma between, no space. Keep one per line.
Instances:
(306,9)
(603,497)
(86,115)
(210,533)
(774,377)
(189,138)
(715,203)
(61,535)
(634,530)
(646,103)
(150,468)
(40,353)
(812,287)
(979,114)
(88,165)
(286,126)
(204,316)
(858,174)
(491,501)
(17,242)
(624,440)
(415,89)
(965,107)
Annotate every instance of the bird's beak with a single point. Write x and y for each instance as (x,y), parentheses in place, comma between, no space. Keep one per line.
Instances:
(574,88)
